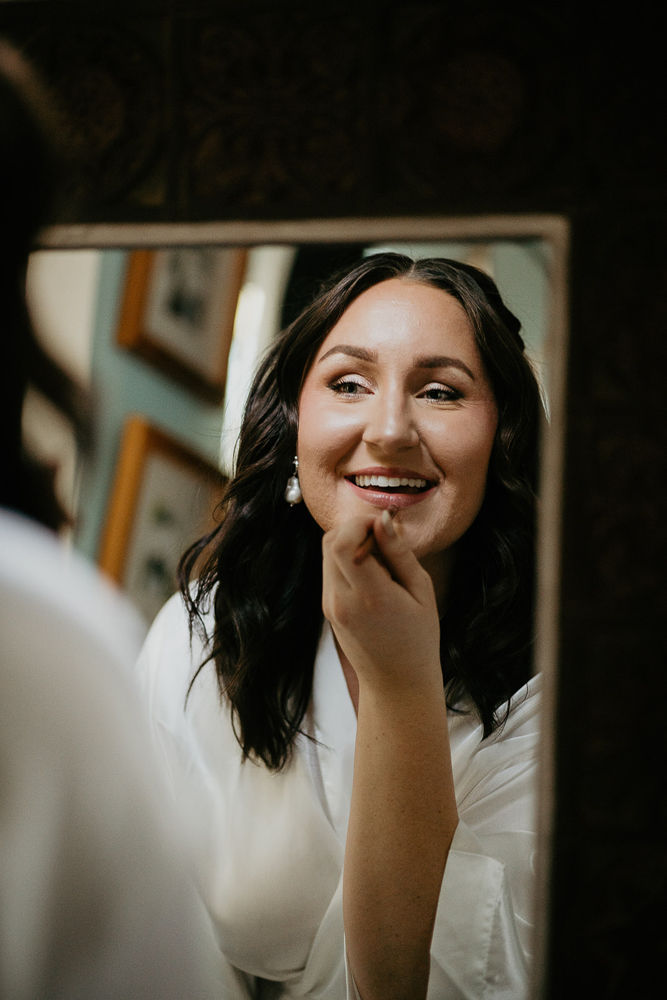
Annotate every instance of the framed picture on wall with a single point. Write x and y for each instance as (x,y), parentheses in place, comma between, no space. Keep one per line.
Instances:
(163,499)
(178,312)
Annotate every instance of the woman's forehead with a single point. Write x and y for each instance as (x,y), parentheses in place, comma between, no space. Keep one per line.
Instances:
(401,312)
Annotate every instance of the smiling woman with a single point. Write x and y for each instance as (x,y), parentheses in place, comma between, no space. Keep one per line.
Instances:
(396,734)
(407,399)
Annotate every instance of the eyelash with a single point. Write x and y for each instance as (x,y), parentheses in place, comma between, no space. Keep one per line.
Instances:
(339,386)
(449,394)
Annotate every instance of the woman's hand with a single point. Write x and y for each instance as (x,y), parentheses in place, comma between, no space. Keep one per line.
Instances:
(383,610)
(381,605)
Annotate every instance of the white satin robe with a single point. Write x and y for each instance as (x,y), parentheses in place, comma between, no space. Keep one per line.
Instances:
(269,847)
(96,898)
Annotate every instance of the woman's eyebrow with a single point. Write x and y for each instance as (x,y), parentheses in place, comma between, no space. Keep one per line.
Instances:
(354,352)
(364,354)
(441,361)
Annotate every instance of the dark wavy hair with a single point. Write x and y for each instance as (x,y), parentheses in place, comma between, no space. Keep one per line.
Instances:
(261,569)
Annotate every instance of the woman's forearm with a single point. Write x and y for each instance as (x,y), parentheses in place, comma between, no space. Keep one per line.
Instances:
(402,820)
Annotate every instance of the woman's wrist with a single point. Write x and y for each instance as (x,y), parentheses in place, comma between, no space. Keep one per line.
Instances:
(419,687)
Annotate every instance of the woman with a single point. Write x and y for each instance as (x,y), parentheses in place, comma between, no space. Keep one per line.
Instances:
(397,733)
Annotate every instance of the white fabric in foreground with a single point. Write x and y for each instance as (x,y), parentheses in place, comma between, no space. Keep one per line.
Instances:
(270,847)
(95,897)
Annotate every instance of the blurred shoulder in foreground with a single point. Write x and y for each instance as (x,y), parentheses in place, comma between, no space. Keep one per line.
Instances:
(96,898)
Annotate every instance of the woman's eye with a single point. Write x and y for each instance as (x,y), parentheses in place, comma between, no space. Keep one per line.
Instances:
(440,393)
(348,387)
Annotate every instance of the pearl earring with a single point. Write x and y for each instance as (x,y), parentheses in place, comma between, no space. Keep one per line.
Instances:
(293,492)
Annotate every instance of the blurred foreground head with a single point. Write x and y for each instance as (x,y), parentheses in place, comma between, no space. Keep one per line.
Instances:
(29,169)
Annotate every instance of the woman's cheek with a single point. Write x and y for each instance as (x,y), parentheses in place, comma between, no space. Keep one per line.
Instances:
(471,442)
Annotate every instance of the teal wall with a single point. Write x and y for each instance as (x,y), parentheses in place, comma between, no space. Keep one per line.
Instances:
(124,384)
(521,271)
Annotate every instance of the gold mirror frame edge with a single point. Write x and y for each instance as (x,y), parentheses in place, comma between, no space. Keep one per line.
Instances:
(102,235)
(555,230)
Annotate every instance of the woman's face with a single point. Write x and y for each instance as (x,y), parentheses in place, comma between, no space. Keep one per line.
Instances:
(397,409)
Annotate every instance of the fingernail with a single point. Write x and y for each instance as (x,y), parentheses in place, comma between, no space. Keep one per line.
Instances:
(387,523)
(393,510)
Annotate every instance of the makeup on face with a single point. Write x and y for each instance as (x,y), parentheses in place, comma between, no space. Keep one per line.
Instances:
(397,411)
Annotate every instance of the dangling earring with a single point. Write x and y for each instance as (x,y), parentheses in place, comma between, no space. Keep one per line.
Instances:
(293,492)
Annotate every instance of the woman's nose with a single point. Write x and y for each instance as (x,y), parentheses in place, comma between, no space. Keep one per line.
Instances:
(390,425)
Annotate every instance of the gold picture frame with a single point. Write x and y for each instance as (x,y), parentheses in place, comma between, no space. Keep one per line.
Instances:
(178,312)
(163,499)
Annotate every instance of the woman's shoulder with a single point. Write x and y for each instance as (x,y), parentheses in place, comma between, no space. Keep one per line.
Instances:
(173,624)
(521,714)
(171,619)
(513,744)
(173,651)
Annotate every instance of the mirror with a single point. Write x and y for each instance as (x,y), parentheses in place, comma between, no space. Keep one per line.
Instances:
(77,298)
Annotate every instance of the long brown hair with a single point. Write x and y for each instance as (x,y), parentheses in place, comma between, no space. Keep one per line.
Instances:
(263,565)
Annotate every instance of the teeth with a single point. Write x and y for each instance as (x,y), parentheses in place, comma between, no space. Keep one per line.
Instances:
(384,481)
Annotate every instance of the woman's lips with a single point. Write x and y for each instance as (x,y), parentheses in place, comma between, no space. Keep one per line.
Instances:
(379,497)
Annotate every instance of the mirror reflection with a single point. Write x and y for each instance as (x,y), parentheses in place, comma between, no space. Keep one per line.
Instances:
(85,302)
(401,399)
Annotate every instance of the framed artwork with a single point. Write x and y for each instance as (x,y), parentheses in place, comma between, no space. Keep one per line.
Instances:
(162,500)
(178,312)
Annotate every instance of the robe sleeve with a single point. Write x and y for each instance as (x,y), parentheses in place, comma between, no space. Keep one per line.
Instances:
(476,952)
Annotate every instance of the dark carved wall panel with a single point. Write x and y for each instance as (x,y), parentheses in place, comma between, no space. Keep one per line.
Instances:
(188,109)
(475,107)
(106,77)
(291,110)
(276,114)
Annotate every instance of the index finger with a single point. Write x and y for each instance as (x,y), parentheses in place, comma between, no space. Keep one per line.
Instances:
(349,536)
(350,544)
(369,544)
(400,560)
